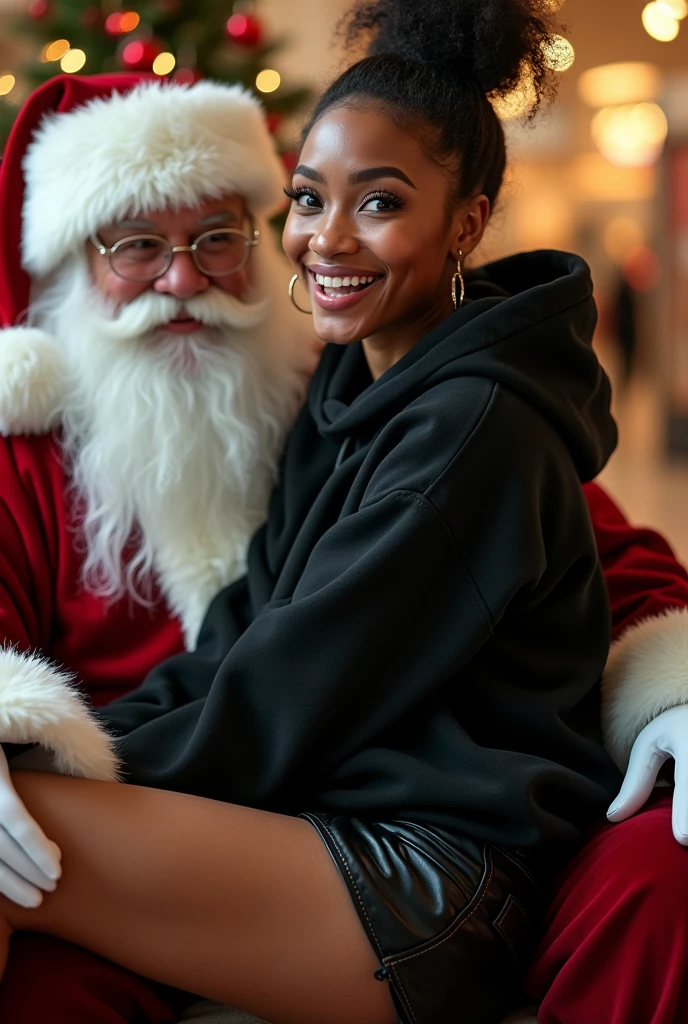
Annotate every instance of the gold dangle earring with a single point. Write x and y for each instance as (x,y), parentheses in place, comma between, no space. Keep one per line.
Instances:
(292,285)
(459,274)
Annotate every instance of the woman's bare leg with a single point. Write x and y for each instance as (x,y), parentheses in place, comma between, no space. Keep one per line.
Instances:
(238,905)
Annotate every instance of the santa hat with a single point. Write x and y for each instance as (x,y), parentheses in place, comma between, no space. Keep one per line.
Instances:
(89,150)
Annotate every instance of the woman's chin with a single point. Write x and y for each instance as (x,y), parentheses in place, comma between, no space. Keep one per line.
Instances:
(337,333)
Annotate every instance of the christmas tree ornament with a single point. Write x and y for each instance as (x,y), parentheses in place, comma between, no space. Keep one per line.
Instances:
(39,9)
(168,6)
(245,30)
(140,54)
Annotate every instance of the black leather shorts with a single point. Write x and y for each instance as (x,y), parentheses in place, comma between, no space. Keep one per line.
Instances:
(454,922)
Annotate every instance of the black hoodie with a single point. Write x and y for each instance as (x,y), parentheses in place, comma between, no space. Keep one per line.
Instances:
(424,623)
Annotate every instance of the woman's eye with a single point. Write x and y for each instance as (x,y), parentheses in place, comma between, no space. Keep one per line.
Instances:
(304,198)
(381,204)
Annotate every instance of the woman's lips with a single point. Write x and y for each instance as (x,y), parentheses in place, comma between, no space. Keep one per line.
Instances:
(185,326)
(337,275)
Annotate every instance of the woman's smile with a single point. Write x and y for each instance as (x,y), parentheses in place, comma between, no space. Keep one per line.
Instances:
(339,287)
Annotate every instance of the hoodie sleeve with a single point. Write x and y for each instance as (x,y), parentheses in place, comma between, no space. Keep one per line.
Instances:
(314,678)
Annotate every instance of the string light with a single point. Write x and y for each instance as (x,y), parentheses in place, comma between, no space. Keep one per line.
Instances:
(660,22)
(7,84)
(54,51)
(164,63)
(559,53)
(632,135)
(268,80)
(73,61)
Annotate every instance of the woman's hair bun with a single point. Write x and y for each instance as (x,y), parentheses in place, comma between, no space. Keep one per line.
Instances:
(495,43)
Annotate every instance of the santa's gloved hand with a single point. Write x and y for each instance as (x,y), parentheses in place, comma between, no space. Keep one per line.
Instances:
(29,861)
(664,737)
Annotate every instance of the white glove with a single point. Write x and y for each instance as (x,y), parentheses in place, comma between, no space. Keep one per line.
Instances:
(29,861)
(664,737)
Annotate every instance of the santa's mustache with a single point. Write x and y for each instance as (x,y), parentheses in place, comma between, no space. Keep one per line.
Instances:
(214,308)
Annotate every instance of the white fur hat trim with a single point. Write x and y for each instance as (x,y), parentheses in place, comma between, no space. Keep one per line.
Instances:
(158,146)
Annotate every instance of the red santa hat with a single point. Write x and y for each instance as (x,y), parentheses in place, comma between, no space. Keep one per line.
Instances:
(89,150)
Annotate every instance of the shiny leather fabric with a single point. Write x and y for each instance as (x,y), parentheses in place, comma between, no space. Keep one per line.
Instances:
(453,921)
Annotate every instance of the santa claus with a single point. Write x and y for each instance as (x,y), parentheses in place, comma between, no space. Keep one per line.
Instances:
(149,367)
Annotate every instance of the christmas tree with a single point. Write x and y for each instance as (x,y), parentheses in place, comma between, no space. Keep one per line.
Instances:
(183,40)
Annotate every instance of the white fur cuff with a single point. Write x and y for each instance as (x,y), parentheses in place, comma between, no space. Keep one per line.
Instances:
(32,381)
(40,704)
(646,673)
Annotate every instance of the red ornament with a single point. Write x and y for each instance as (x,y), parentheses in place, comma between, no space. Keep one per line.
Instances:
(91,17)
(139,54)
(39,9)
(245,30)
(186,76)
(273,121)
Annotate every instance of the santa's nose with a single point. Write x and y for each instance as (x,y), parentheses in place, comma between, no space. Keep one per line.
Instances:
(183,280)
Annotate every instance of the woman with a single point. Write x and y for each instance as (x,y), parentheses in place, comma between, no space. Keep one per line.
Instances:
(388,736)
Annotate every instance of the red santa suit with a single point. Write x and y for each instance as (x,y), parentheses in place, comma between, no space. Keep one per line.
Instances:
(46,613)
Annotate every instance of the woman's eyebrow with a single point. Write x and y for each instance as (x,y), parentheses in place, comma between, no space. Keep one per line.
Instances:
(371,173)
(308,172)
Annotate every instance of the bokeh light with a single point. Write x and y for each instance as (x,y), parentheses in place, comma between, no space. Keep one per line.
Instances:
(517,103)
(54,51)
(632,135)
(268,80)
(660,22)
(7,84)
(626,82)
(72,61)
(164,63)
(559,53)
(677,8)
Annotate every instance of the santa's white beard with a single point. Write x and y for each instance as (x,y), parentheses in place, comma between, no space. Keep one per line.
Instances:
(172,440)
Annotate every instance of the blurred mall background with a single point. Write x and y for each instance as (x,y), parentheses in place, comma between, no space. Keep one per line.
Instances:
(604,172)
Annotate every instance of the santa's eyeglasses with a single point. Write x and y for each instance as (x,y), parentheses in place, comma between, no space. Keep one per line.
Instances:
(216,253)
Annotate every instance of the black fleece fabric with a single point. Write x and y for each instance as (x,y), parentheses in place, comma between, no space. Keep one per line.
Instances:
(423,624)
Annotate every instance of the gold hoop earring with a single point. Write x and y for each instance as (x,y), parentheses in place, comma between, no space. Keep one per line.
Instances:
(292,285)
(459,274)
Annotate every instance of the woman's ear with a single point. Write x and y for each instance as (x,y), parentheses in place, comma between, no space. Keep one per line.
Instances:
(470,223)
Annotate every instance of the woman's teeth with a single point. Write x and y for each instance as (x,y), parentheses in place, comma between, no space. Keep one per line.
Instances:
(336,285)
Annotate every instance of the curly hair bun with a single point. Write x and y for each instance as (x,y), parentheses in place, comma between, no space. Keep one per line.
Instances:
(495,43)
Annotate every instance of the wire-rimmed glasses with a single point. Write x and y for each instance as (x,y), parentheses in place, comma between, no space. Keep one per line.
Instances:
(216,253)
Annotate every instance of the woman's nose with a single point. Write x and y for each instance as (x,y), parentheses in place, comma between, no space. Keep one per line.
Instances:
(335,235)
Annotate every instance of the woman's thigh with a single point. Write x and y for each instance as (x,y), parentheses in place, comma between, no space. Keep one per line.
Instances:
(239,905)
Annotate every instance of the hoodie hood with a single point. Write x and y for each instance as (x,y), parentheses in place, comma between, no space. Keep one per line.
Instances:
(528,326)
